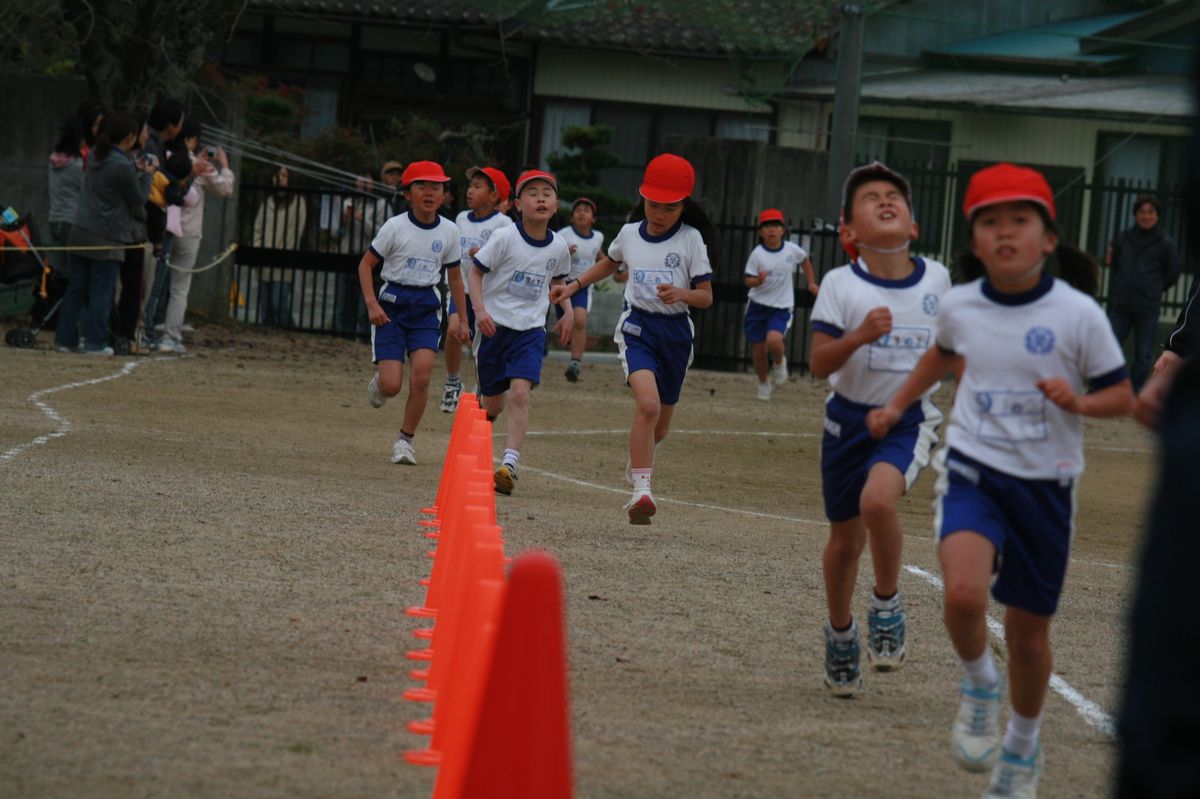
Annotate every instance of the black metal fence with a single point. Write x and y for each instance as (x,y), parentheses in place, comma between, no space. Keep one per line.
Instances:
(300,248)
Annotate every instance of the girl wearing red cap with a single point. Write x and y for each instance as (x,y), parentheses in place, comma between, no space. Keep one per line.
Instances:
(669,247)
(487,188)
(1029,345)
(770,272)
(414,248)
(587,247)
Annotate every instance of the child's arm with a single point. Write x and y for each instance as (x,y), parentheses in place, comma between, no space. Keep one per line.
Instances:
(564,325)
(699,297)
(455,281)
(753,281)
(810,276)
(375,311)
(1110,401)
(828,354)
(483,319)
(560,291)
(931,368)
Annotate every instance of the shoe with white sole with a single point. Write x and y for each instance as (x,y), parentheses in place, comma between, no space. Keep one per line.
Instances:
(640,507)
(977,727)
(764,391)
(1015,777)
(374,395)
(450,394)
(505,479)
(779,373)
(402,452)
(843,677)
(885,637)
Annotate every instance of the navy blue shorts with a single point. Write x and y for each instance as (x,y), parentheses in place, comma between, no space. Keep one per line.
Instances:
(414,322)
(762,318)
(848,452)
(659,343)
(507,355)
(580,299)
(1030,522)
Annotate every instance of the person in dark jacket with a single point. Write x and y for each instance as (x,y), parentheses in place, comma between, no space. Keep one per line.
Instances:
(1145,263)
(66,181)
(113,187)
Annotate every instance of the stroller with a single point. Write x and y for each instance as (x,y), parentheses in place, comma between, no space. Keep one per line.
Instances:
(20,260)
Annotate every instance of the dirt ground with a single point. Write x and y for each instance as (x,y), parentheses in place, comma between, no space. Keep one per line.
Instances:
(204,576)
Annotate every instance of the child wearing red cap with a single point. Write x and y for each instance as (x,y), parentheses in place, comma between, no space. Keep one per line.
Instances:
(587,247)
(414,248)
(669,247)
(1027,345)
(509,293)
(872,320)
(770,272)
(486,188)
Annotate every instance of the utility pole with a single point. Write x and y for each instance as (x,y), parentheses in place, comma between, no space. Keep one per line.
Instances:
(844,129)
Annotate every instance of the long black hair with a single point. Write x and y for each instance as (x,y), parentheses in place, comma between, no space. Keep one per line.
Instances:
(694,215)
(115,129)
(70,137)
(89,112)
(1074,265)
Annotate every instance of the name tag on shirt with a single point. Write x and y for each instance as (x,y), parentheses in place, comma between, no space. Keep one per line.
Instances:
(527,285)
(646,282)
(418,270)
(1011,416)
(899,350)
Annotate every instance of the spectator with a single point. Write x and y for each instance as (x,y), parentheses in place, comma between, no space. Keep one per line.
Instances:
(1145,263)
(66,181)
(113,188)
(91,116)
(217,178)
(279,224)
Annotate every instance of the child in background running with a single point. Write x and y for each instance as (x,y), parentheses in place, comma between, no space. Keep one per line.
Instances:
(486,188)
(669,246)
(406,316)
(509,292)
(1005,499)
(587,247)
(770,270)
(872,321)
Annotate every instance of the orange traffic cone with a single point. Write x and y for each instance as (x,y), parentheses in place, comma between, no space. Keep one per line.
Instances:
(467,403)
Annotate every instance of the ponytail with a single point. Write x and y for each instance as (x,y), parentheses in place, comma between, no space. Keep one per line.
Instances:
(693,215)
(114,129)
(1070,263)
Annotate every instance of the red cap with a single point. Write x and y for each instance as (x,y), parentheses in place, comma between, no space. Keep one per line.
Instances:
(423,170)
(585,201)
(495,177)
(770,215)
(535,174)
(1006,183)
(668,179)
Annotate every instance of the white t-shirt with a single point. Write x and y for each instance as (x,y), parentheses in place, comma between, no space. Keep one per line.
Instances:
(517,271)
(1009,342)
(677,257)
(414,253)
(876,371)
(779,289)
(586,248)
(474,231)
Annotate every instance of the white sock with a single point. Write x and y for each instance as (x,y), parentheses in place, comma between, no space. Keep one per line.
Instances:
(641,479)
(891,603)
(844,636)
(1021,737)
(453,380)
(981,672)
(511,456)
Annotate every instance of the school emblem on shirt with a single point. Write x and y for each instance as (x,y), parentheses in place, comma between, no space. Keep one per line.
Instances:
(672,260)
(1039,340)
(790,259)
(930,304)
(485,235)
(551,263)
(437,246)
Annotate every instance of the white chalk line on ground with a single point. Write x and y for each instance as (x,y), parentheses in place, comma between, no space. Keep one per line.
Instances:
(1092,713)
(64,425)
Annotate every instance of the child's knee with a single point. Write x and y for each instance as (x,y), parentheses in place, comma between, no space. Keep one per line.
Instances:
(518,394)
(965,599)
(648,407)
(876,503)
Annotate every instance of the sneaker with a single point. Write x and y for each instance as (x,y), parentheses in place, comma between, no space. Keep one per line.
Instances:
(779,373)
(450,395)
(842,675)
(166,345)
(640,507)
(377,397)
(146,344)
(764,391)
(1014,776)
(977,727)
(505,479)
(402,452)
(629,473)
(572,373)
(179,348)
(885,638)
(187,328)
(64,348)
(101,351)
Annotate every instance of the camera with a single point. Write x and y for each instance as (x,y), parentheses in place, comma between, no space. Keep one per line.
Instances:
(150,158)
(211,152)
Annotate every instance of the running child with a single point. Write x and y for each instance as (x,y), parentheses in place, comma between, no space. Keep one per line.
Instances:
(414,248)
(872,320)
(669,246)
(587,247)
(509,293)
(770,270)
(1028,345)
(487,187)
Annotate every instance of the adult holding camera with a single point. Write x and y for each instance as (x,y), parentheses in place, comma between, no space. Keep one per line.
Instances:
(114,186)
(279,223)
(1145,263)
